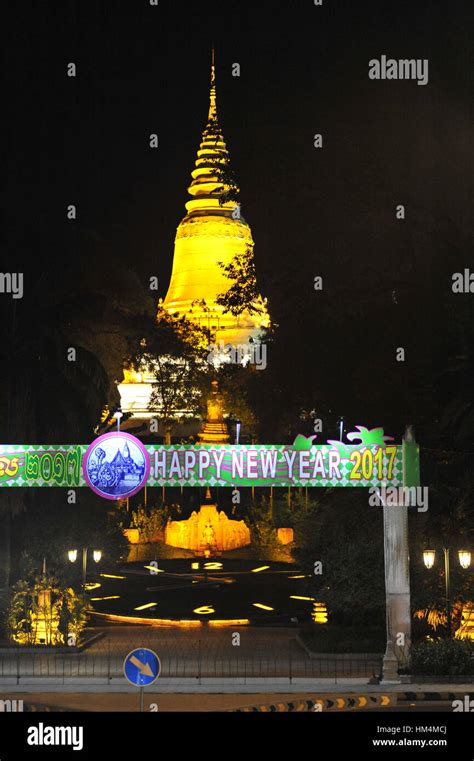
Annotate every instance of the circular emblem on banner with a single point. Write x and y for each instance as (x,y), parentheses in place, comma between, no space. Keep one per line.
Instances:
(116,465)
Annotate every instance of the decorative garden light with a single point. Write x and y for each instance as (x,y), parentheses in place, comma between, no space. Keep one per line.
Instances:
(72,555)
(429,558)
(464,558)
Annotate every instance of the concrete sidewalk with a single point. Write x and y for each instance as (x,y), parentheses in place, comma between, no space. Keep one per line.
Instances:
(369,697)
(231,687)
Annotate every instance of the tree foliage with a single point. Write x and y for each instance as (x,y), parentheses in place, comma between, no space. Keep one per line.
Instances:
(173,350)
(243,294)
(41,608)
(345,536)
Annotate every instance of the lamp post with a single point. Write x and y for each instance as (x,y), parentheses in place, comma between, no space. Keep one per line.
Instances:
(464,561)
(72,555)
(341,427)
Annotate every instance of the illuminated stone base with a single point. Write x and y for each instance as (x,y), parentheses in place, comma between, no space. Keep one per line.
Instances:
(207,531)
(135,398)
(214,430)
(214,433)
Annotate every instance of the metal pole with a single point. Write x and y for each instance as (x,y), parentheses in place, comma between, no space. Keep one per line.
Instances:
(199,661)
(448,594)
(84,566)
(141,699)
(290,664)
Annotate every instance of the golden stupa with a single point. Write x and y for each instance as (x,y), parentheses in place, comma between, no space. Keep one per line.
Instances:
(212,233)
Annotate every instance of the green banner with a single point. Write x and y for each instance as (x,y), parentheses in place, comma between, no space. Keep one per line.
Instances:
(221,465)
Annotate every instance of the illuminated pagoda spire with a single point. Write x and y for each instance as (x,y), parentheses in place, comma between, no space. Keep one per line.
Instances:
(212,96)
(212,165)
(212,232)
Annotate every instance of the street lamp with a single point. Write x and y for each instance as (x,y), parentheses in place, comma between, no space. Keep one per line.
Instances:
(429,558)
(464,560)
(72,555)
(118,415)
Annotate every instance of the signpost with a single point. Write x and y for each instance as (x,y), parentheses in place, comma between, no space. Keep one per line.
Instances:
(141,667)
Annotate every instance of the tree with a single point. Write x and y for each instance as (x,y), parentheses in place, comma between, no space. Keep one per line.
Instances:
(41,611)
(228,190)
(243,295)
(48,392)
(173,350)
(449,522)
(336,532)
(235,383)
(87,523)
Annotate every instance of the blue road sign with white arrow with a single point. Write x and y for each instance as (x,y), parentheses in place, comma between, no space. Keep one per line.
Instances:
(141,667)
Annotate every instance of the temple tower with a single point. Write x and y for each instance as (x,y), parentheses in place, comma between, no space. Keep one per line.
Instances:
(212,232)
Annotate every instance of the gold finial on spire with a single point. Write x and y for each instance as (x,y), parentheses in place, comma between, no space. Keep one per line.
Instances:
(212,97)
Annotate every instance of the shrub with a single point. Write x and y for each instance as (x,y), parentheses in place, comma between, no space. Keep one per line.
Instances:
(149,522)
(442,657)
(331,638)
(264,535)
(43,612)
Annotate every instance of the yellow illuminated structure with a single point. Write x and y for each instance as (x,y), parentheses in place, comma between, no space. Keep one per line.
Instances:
(184,623)
(208,530)
(466,629)
(214,430)
(320,613)
(212,232)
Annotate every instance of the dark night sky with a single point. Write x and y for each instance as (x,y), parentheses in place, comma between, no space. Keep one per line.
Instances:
(145,69)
